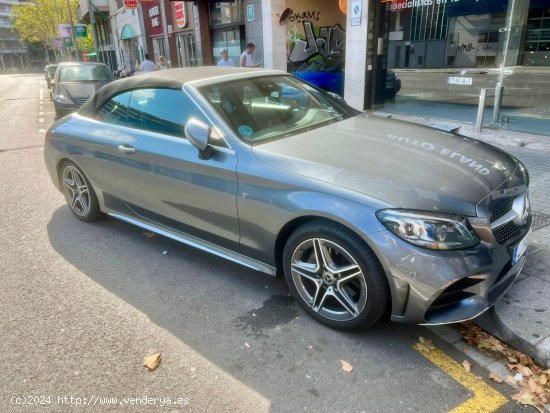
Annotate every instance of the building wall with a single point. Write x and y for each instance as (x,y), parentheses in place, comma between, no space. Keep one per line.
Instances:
(254,30)
(314,28)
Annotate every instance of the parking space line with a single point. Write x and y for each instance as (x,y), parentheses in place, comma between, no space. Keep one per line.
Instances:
(485,400)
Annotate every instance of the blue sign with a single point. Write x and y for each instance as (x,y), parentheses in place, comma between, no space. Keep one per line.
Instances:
(250,12)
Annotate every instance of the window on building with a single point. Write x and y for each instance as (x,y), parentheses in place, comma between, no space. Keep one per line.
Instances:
(226,12)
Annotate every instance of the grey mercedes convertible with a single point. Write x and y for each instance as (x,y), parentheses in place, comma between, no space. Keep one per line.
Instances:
(364,216)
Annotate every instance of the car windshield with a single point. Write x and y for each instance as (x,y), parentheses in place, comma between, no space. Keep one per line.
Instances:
(85,73)
(272,107)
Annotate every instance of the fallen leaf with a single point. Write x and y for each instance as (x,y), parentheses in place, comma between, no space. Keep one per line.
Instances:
(535,387)
(526,398)
(427,343)
(149,234)
(467,366)
(495,378)
(152,361)
(524,370)
(346,366)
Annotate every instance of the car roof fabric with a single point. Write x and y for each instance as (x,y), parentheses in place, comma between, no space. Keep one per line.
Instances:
(161,79)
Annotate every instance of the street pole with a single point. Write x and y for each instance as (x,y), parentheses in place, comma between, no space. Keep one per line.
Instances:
(72,31)
(499,90)
(94,31)
(165,34)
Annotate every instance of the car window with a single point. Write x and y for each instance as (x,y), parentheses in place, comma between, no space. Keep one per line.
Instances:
(115,110)
(85,73)
(163,111)
(272,107)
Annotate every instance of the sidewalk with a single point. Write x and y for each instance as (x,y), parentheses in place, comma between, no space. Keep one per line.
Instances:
(522,317)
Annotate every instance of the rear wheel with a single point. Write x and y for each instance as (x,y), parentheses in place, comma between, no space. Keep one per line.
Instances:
(334,276)
(78,192)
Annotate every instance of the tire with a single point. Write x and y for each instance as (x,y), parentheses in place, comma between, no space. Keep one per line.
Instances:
(78,191)
(345,286)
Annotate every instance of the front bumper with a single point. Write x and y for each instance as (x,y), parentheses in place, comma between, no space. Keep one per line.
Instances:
(439,287)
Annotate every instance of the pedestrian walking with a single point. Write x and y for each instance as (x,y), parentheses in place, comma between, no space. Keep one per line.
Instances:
(224,59)
(247,58)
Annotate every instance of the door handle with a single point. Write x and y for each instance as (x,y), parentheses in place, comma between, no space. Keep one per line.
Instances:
(127,149)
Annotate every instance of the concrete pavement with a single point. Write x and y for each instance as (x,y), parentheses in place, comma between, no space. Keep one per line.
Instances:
(522,317)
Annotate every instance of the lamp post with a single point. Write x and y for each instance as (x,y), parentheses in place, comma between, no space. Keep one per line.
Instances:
(72,31)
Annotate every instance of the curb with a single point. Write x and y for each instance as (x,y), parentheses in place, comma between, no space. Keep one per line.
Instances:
(497,366)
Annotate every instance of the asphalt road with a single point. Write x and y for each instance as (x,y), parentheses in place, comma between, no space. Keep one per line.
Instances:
(82,304)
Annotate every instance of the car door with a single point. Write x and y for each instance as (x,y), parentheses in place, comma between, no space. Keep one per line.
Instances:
(162,178)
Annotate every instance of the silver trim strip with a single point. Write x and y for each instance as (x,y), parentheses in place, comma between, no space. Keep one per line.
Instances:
(200,244)
(509,216)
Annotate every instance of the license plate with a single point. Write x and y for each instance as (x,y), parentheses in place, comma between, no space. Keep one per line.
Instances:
(519,250)
(454,80)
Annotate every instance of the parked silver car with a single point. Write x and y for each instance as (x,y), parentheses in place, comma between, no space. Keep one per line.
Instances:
(363,215)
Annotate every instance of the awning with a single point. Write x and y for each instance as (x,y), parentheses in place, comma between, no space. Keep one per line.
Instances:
(127,32)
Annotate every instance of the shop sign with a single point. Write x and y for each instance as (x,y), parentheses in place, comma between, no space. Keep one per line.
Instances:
(463,81)
(250,12)
(130,4)
(154,13)
(181,18)
(80,30)
(64,30)
(356,13)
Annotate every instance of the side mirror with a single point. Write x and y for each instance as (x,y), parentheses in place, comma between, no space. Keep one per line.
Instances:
(198,133)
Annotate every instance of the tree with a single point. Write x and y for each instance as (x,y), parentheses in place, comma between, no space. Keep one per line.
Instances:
(37,21)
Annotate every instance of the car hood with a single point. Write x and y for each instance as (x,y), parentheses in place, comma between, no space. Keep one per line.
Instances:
(407,165)
(80,90)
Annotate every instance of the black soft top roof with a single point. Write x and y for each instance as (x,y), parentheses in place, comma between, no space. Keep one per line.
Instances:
(161,79)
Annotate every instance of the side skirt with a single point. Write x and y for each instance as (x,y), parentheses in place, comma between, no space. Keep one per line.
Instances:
(200,244)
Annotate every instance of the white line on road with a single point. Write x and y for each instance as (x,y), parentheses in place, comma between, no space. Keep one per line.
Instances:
(40,120)
(41,130)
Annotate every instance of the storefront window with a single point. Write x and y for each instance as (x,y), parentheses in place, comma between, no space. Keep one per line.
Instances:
(226,12)
(233,40)
(446,52)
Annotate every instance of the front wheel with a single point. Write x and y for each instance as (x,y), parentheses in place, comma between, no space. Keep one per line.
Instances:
(335,276)
(78,192)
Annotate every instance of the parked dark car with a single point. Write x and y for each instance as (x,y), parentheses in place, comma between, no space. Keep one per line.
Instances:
(328,74)
(363,215)
(49,74)
(74,83)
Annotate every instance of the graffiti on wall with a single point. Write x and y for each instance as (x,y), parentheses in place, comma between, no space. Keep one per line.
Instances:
(308,15)
(329,40)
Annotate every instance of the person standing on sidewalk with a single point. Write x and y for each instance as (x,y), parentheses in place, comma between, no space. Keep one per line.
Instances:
(147,65)
(247,58)
(224,59)
(162,63)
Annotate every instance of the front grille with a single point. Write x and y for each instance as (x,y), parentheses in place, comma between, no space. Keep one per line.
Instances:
(506,232)
(503,211)
(510,231)
(80,101)
(453,295)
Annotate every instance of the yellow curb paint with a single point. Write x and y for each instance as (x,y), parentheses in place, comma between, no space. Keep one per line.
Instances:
(485,400)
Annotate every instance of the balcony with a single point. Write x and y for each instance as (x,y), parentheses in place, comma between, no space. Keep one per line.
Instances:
(83,10)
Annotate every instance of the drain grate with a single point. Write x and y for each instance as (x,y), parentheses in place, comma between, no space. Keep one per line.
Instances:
(540,220)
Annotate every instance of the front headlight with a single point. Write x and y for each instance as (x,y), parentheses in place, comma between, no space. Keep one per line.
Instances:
(62,99)
(434,231)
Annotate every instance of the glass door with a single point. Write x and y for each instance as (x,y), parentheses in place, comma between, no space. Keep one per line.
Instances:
(232,39)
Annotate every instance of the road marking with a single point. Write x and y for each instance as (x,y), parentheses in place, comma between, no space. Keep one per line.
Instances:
(41,130)
(40,120)
(41,94)
(40,113)
(485,400)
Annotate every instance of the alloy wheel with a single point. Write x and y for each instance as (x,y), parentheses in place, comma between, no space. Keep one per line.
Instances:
(329,279)
(76,191)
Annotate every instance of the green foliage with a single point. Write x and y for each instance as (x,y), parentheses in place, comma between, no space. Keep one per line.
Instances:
(37,21)
(86,44)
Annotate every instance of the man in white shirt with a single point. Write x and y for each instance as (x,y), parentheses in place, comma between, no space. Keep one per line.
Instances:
(147,65)
(247,59)
(224,59)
